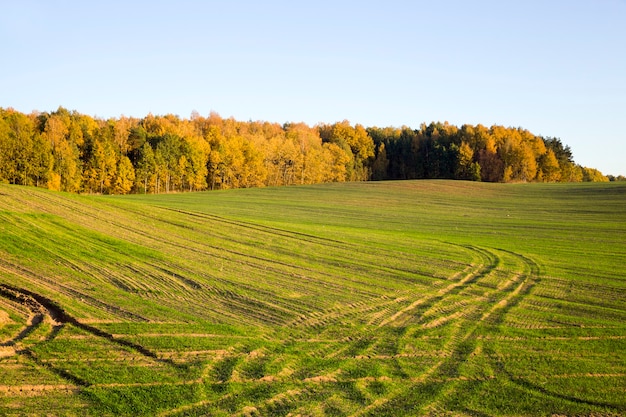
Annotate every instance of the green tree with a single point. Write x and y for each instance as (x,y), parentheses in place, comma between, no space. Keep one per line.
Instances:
(146,168)
(41,161)
(380,164)
(167,157)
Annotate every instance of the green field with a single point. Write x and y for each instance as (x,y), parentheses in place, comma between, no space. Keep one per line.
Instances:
(353,299)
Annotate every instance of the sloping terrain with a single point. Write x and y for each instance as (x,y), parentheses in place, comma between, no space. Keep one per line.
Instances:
(396,298)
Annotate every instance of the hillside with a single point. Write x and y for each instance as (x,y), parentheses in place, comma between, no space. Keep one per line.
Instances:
(356,299)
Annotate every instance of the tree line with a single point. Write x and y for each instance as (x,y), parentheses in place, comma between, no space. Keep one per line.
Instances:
(68,151)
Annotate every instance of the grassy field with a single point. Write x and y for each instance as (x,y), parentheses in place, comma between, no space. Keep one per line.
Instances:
(355,299)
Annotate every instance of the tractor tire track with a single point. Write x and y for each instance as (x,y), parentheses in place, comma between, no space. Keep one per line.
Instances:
(37,279)
(43,308)
(499,311)
(463,342)
(491,262)
(382,306)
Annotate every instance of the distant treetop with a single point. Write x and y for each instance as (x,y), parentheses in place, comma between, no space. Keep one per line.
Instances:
(68,151)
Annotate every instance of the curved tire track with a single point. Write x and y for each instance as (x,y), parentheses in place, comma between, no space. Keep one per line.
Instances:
(463,342)
(43,308)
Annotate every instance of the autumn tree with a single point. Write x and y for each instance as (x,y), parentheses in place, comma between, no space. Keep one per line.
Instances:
(549,169)
(337,160)
(101,168)
(68,151)
(5,147)
(356,143)
(491,164)
(466,167)
(193,162)
(124,176)
(24,156)
(593,175)
(282,159)
(67,167)
(569,171)
(62,135)
(308,146)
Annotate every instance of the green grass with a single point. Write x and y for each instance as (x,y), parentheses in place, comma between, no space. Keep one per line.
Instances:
(355,299)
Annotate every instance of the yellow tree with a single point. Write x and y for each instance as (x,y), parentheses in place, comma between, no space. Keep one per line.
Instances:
(5,148)
(466,168)
(215,164)
(125,176)
(570,172)
(337,160)
(252,172)
(67,167)
(549,169)
(356,142)
(24,155)
(492,166)
(316,164)
(56,130)
(196,154)
(517,154)
(280,161)
(63,134)
(593,175)
(121,131)
(101,168)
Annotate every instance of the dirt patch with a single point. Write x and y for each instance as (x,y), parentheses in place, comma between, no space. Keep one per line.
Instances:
(4,318)
(99,321)
(442,320)
(258,353)
(332,377)
(587,375)
(35,390)
(196,335)
(6,351)
(43,308)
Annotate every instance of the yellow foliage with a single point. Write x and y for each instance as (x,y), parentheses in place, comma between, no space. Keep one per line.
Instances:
(54,183)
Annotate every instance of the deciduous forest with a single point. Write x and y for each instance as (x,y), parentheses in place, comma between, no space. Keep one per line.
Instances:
(68,151)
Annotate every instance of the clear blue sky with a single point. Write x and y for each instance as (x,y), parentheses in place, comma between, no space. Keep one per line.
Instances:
(554,67)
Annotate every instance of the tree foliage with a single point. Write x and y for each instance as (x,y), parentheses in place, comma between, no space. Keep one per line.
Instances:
(495,154)
(68,151)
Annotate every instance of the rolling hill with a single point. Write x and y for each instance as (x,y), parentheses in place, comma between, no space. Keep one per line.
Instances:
(345,299)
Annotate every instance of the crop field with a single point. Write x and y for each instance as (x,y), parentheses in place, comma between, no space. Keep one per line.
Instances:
(354,299)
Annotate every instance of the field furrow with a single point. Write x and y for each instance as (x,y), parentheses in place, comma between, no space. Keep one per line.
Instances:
(421,302)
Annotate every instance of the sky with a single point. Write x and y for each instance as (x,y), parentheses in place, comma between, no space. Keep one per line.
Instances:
(554,67)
